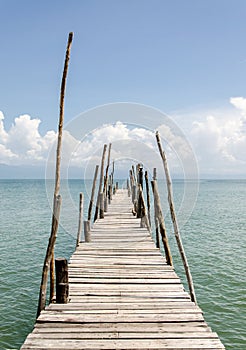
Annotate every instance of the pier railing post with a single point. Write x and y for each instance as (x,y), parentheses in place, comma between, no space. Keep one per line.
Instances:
(87,231)
(174,219)
(100,183)
(147,195)
(80,219)
(93,192)
(161,222)
(62,285)
(101,205)
(144,217)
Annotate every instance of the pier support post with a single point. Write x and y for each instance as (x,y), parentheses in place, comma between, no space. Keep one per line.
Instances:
(80,218)
(101,205)
(105,203)
(87,231)
(62,285)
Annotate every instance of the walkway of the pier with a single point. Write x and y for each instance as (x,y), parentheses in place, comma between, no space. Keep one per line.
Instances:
(123,295)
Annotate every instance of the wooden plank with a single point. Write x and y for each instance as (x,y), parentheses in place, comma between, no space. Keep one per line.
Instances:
(114,317)
(123,344)
(147,305)
(53,334)
(124,327)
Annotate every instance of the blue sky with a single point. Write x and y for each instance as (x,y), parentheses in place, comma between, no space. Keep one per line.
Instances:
(186,58)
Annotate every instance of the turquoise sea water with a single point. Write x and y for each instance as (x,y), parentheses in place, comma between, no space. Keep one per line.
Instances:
(214,240)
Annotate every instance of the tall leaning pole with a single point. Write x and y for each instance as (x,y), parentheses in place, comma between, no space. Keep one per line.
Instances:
(49,263)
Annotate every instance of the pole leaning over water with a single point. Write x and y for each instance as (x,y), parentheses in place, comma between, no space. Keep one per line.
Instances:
(49,261)
(174,219)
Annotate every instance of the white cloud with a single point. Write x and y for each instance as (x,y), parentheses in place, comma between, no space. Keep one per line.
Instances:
(239,103)
(220,140)
(23,144)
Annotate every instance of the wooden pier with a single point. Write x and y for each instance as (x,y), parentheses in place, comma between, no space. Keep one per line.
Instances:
(122,295)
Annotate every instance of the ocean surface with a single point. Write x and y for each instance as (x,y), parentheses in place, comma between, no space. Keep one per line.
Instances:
(214,237)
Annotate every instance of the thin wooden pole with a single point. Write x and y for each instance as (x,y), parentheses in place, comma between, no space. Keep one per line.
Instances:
(112,173)
(154,174)
(128,188)
(110,189)
(134,175)
(58,153)
(80,219)
(174,219)
(105,187)
(107,168)
(50,248)
(100,182)
(49,261)
(93,192)
(87,231)
(101,202)
(160,218)
(157,238)
(147,194)
(144,216)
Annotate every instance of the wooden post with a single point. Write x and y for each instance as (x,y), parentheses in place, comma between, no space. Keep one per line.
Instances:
(112,174)
(134,193)
(62,285)
(174,220)
(161,223)
(117,186)
(134,175)
(154,174)
(80,219)
(110,189)
(105,186)
(100,182)
(139,203)
(101,203)
(147,195)
(144,217)
(140,176)
(87,231)
(157,238)
(131,179)
(49,252)
(93,192)
(49,262)
(128,188)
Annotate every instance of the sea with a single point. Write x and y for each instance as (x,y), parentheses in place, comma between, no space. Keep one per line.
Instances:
(212,217)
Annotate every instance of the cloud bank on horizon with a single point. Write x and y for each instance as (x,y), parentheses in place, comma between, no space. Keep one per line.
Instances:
(218,141)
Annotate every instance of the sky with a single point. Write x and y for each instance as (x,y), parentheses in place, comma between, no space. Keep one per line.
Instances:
(172,65)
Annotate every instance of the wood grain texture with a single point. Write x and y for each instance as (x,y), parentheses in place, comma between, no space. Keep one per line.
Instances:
(123,295)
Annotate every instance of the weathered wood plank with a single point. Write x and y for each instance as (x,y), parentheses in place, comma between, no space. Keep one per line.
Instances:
(123,344)
(125,327)
(118,317)
(53,334)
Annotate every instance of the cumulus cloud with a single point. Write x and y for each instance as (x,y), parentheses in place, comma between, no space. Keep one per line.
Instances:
(220,140)
(23,144)
(239,103)
(128,143)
